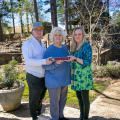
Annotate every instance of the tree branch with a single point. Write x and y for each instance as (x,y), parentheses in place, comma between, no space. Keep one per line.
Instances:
(101,11)
(93,6)
(87,9)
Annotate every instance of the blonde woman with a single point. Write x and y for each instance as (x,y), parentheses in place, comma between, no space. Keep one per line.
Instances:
(57,74)
(82,80)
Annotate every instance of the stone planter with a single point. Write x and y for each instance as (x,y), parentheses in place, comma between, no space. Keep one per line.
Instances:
(11,99)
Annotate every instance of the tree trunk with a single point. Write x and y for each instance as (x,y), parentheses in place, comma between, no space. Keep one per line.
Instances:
(98,56)
(21,23)
(13,23)
(1,31)
(20,15)
(36,10)
(32,20)
(53,13)
(27,19)
(90,31)
(66,14)
(11,2)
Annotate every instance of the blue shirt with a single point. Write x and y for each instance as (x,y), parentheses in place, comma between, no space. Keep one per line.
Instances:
(57,75)
(85,53)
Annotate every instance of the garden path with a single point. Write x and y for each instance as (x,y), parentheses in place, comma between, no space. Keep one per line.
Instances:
(103,108)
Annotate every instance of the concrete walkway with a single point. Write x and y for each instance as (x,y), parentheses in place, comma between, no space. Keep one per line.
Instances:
(103,108)
(107,107)
(23,113)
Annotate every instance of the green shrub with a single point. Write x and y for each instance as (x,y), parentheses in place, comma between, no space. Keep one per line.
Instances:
(112,70)
(0,78)
(22,76)
(9,74)
(100,71)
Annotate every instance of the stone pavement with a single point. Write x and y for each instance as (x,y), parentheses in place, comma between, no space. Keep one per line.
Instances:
(107,107)
(101,109)
(23,113)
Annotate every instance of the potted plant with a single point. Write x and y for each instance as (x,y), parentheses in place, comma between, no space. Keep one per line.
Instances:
(11,88)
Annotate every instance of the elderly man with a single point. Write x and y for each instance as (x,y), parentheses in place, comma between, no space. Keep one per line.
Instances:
(33,51)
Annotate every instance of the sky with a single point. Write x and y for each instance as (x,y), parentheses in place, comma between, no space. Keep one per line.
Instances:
(114,5)
(46,17)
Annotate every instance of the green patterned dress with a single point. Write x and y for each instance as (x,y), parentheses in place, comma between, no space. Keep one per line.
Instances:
(82,74)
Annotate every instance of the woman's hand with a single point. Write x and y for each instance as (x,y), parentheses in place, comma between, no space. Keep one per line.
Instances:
(59,61)
(72,58)
(79,60)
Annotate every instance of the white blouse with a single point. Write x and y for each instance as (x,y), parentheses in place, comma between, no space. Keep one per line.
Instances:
(33,52)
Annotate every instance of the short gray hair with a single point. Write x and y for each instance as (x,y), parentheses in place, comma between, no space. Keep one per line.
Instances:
(57,30)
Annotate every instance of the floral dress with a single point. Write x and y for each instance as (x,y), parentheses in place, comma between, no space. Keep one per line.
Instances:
(82,73)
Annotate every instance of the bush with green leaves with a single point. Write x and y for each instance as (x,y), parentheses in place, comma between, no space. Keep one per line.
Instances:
(112,69)
(100,71)
(9,75)
(22,76)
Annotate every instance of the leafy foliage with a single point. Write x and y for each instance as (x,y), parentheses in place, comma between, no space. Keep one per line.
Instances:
(9,74)
(4,9)
(100,71)
(114,70)
(110,70)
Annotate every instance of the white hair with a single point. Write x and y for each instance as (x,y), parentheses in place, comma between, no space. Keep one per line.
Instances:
(57,30)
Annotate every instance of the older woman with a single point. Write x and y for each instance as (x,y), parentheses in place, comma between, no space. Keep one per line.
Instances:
(57,74)
(82,80)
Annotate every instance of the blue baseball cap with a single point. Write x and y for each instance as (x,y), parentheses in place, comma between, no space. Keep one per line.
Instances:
(38,26)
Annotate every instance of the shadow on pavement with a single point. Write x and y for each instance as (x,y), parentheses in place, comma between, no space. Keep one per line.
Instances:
(74,118)
(102,118)
(23,110)
(2,118)
(96,118)
(43,117)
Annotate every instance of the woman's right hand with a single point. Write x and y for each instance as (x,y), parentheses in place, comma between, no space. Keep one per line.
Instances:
(59,61)
(72,58)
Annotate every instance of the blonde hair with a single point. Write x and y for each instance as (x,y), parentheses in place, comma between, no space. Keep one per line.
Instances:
(57,30)
(74,47)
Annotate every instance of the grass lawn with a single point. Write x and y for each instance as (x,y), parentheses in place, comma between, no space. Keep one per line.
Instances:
(71,98)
